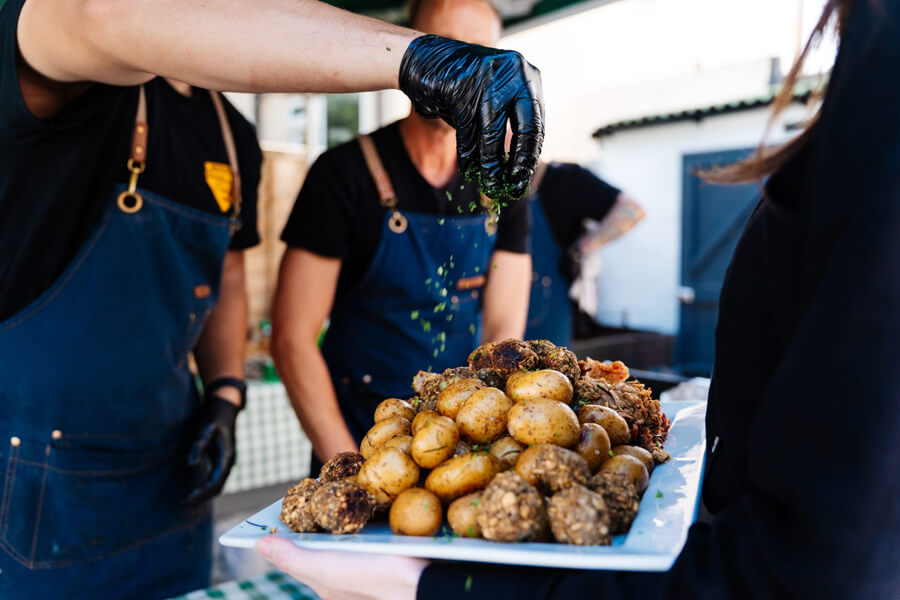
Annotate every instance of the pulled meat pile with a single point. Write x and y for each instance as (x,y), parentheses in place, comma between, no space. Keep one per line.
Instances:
(605,384)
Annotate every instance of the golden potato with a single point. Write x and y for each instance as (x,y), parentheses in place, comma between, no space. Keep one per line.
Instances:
(506,450)
(543,421)
(462,475)
(435,442)
(593,445)
(416,512)
(452,397)
(394,407)
(608,419)
(629,466)
(639,453)
(423,418)
(386,473)
(545,383)
(461,515)
(401,442)
(482,417)
(382,432)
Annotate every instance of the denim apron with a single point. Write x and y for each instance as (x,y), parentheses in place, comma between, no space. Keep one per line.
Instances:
(97,402)
(549,308)
(418,306)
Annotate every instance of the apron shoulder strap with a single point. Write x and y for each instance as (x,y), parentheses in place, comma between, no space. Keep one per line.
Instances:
(231,150)
(386,193)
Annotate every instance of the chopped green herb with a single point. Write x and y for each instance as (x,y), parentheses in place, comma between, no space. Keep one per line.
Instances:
(495,265)
(468,585)
(471,532)
(477,269)
(611,453)
(475,502)
(472,328)
(414,315)
(659,494)
(440,221)
(449,195)
(388,48)
(440,271)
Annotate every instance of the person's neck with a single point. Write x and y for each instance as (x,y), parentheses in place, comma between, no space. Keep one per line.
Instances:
(431,148)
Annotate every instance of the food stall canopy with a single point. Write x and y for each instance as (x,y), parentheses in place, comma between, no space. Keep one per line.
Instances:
(517,14)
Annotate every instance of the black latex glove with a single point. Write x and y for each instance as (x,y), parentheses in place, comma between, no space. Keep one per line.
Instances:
(213,452)
(477,90)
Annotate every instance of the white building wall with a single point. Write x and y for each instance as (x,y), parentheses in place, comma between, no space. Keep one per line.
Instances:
(642,269)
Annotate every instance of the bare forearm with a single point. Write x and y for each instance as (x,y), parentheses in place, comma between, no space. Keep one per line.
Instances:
(305,375)
(260,46)
(624,215)
(220,349)
(506,297)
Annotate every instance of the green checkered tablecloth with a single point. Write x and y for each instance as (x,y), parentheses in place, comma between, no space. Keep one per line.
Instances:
(271,586)
(271,447)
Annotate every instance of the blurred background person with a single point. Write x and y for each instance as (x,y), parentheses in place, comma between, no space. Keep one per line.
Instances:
(574,213)
(389,242)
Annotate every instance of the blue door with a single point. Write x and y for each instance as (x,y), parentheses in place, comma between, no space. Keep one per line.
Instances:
(713,217)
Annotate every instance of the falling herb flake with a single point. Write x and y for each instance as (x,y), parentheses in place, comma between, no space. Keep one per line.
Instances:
(440,221)
(659,494)
(426,326)
(477,269)
(440,271)
(611,453)
(449,195)
(495,265)
(475,503)
(414,315)
(444,292)
(427,281)
(388,48)
(468,585)
(440,307)
(472,328)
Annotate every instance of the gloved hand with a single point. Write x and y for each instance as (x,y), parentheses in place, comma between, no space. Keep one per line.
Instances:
(213,452)
(476,90)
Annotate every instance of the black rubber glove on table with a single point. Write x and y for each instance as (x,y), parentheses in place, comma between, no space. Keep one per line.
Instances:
(213,453)
(477,90)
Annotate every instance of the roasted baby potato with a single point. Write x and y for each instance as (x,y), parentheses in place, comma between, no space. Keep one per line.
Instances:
(608,419)
(639,453)
(416,512)
(462,475)
(394,407)
(550,468)
(506,450)
(593,445)
(531,385)
(543,422)
(452,397)
(401,442)
(629,466)
(381,432)
(482,417)
(386,473)
(435,442)
(461,515)
(423,418)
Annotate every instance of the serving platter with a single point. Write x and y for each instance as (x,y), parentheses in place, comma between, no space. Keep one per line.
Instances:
(668,508)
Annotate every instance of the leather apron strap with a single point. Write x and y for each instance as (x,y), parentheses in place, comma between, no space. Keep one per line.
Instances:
(386,194)
(130,201)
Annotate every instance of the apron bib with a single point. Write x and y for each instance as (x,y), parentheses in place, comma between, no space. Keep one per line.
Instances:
(97,402)
(549,308)
(417,306)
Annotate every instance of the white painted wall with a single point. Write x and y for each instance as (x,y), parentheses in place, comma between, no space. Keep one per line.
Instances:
(642,269)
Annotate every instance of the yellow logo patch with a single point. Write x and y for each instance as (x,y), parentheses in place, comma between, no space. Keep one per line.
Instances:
(220,179)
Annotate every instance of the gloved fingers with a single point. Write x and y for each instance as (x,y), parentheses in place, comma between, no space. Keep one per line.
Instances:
(221,458)
(467,155)
(492,151)
(527,122)
(198,450)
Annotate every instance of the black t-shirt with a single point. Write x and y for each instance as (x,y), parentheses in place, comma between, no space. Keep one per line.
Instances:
(569,194)
(338,214)
(56,175)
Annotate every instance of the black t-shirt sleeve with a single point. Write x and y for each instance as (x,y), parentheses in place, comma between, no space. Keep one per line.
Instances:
(514,227)
(321,220)
(569,194)
(250,160)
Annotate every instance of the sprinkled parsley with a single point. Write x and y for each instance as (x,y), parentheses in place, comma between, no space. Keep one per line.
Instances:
(468,585)
(659,494)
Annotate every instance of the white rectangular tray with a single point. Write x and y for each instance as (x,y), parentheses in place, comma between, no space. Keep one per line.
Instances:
(668,508)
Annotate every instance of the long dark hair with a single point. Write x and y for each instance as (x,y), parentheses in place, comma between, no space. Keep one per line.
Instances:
(766,161)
